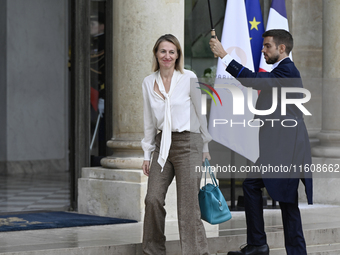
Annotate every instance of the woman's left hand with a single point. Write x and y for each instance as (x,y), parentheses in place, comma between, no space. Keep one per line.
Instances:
(206,155)
(146,167)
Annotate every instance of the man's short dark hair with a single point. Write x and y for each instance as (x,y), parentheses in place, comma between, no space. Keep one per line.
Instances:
(281,36)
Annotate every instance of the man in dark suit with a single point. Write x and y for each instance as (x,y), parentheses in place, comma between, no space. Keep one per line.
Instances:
(284,146)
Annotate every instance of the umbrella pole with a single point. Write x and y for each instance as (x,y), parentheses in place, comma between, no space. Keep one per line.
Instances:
(213,33)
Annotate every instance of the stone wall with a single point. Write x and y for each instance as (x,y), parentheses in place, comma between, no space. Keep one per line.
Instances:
(35,86)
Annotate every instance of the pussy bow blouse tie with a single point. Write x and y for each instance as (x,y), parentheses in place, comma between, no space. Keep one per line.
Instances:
(166,132)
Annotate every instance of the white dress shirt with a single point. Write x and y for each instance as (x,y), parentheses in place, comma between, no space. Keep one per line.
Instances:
(277,63)
(179,111)
(227,59)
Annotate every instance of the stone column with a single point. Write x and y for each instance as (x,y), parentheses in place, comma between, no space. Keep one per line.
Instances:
(328,152)
(307,55)
(118,189)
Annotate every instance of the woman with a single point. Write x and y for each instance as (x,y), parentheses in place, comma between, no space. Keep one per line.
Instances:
(172,105)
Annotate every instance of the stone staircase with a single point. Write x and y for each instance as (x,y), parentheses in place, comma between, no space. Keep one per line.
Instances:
(321,228)
(320,241)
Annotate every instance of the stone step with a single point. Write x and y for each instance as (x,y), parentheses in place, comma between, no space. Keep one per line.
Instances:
(326,249)
(315,235)
(218,245)
(321,229)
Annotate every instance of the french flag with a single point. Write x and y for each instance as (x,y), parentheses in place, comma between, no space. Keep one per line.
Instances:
(240,138)
(277,19)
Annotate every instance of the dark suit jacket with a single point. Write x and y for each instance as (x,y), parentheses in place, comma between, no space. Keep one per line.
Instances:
(281,147)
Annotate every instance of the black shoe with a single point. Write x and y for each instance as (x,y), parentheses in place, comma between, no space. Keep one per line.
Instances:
(252,250)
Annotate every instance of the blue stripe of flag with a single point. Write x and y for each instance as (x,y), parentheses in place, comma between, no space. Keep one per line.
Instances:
(254,13)
(280,7)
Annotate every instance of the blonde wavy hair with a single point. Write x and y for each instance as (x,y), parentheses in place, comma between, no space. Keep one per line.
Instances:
(179,61)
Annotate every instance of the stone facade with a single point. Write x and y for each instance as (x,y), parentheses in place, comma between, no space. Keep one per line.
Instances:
(312,23)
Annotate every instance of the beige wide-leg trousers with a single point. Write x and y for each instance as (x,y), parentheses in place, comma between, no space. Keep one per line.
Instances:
(185,153)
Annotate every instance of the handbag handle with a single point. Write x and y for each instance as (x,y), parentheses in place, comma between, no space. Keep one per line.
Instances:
(212,175)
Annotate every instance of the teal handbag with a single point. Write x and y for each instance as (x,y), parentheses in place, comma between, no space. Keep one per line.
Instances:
(214,208)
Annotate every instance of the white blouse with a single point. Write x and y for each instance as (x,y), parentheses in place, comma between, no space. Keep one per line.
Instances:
(179,111)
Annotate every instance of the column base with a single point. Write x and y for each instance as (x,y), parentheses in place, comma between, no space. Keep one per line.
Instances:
(118,193)
(122,163)
(325,185)
(326,151)
(329,146)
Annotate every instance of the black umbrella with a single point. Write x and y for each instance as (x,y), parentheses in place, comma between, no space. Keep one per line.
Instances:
(213,33)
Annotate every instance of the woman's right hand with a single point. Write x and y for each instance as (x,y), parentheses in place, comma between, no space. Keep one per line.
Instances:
(146,167)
